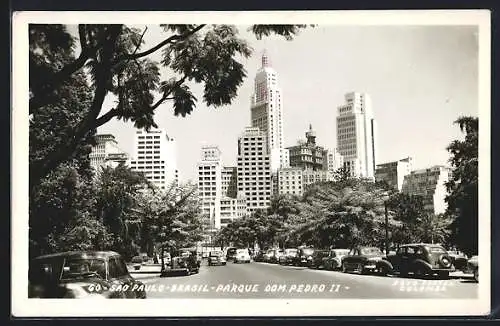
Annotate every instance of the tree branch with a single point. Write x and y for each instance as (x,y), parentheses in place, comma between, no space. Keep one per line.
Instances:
(155,48)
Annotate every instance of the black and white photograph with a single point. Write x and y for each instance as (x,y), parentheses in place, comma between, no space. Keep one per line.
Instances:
(251,163)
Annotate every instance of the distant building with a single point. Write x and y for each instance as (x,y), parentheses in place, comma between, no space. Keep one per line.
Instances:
(430,184)
(333,162)
(155,156)
(394,172)
(217,191)
(308,155)
(254,169)
(356,135)
(290,181)
(310,177)
(106,152)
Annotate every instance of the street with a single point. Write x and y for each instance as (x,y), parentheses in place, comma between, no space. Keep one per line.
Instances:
(262,280)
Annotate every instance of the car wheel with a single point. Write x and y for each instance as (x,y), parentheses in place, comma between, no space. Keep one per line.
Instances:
(344,268)
(476,275)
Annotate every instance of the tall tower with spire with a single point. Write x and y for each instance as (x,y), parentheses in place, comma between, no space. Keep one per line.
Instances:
(267,112)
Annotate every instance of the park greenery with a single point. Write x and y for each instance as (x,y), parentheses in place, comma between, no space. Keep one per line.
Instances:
(72,207)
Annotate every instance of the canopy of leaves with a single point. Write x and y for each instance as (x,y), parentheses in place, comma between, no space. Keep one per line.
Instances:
(462,187)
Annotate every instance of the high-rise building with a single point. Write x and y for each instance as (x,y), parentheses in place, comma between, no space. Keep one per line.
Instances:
(307,154)
(267,112)
(106,152)
(394,172)
(290,181)
(430,184)
(356,135)
(254,169)
(155,156)
(220,203)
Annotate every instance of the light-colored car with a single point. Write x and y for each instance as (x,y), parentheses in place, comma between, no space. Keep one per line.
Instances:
(242,256)
(216,258)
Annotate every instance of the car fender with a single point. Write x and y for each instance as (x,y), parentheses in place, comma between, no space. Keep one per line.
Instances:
(422,263)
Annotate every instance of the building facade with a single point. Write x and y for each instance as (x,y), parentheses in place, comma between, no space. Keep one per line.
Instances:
(254,169)
(394,172)
(430,184)
(267,112)
(155,156)
(356,135)
(106,152)
(290,181)
(308,155)
(217,193)
(333,162)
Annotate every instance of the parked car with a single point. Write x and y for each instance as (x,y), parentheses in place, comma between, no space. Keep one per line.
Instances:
(304,255)
(288,256)
(472,267)
(183,261)
(458,259)
(242,256)
(318,259)
(335,258)
(259,256)
(216,258)
(230,253)
(419,259)
(82,274)
(362,259)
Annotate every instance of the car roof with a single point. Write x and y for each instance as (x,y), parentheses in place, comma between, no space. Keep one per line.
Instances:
(421,244)
(79,254)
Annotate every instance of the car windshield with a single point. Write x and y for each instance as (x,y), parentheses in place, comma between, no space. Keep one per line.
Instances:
(436,250)
(77,268)
(370,251)
(341,252)
(137,259)
(231,251)
(242,251)
(308,251)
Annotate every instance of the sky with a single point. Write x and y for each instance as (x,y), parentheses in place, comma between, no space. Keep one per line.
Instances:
(420,80)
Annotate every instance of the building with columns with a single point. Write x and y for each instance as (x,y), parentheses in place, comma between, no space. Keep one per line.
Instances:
(106,152)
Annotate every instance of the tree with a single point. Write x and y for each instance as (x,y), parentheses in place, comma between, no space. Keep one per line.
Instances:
(116,200)
(113,60)
(433,228)
(462,187)
(409,210)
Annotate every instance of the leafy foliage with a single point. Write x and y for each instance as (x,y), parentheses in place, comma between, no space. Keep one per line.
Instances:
(462,187)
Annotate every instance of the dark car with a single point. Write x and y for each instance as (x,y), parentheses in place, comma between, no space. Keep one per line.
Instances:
(288,256)
(216,258)
(230,253)
(259,256)
(183,261)
(335,258)
(273,255)
(82,274)
(362,259)
(304,255)
(419,259)
(318,259)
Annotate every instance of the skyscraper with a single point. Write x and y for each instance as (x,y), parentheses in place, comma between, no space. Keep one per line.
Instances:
(394,172)
(356,135)
(155,156)
(254,169)
(106,152)
(267,112)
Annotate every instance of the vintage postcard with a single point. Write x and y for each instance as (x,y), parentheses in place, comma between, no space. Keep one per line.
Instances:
(301,163)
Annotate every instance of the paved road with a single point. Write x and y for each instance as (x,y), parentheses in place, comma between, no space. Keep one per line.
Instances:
(261,280)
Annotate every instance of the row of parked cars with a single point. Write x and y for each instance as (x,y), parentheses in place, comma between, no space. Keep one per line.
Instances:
(221,257)
(418,259)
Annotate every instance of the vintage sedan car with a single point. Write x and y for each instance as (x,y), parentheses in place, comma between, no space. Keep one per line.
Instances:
(472,267)
(362,259)
(82,274)
(288,256)
(334,259)
(182,262)
(304,255)
(242,256)
(318,259)
(419,259)
(216,258)
(230,253)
